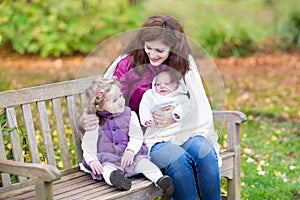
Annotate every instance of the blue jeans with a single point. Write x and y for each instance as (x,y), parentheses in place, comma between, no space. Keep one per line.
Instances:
(192,166)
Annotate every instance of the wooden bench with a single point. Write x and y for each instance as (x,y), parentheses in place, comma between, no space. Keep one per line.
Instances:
(40,147)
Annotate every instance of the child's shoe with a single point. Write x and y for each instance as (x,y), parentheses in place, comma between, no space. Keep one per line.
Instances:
(119,180)
(165,184)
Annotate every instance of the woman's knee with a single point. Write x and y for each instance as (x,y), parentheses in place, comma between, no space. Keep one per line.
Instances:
(167,154)
(199,147)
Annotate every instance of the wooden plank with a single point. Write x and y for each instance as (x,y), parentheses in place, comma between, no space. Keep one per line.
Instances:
(142,190)
(230,116)
(74,126)
(16,186)
(46,132)
(83,100)
(27,114)
(5,178)
(43,190)
(22,193)
(233,185)
(227,167)
(79,185)
(63,143)
(76,189)
(44,92)
(14,139)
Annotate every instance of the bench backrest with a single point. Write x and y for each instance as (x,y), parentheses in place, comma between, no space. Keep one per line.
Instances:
(40,125)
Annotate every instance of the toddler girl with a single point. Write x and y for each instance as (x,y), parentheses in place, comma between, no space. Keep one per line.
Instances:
(114,150)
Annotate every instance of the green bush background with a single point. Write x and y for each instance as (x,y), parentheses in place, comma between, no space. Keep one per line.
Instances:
(224,28)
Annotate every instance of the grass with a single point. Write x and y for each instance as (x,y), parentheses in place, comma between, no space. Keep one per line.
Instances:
(270,159)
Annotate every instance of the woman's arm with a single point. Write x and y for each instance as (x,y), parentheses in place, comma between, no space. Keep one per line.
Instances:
(145,108)
(89,145)
(136,137)
(199,98)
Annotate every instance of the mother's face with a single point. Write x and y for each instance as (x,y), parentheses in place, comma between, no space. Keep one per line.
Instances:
(157,52)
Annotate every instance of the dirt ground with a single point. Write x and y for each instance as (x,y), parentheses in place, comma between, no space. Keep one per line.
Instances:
(285,64)
(257,81)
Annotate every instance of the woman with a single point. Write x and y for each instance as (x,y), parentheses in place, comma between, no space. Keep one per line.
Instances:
(191,158)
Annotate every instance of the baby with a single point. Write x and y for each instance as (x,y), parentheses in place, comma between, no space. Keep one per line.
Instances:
(168,91)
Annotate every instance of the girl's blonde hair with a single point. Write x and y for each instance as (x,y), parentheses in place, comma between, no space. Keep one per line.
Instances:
(95,94)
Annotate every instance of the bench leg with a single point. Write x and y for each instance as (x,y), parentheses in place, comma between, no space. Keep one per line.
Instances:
(43,190)
(233,185)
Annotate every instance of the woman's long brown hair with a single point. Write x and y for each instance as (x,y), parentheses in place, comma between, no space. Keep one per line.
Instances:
(170,31)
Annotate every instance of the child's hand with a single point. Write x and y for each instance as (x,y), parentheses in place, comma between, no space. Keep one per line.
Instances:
(96,167)
(127,158)
(148,123)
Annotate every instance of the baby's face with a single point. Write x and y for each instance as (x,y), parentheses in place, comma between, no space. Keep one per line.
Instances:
(164,85)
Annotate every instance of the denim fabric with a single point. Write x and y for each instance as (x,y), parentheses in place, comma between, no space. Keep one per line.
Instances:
(193,168)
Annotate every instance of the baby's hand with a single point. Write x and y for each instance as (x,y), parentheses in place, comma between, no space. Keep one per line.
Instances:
(96,167)
(148,123)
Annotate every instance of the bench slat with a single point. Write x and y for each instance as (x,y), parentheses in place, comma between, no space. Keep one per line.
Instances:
(65,154)
(74,126)
(43,92)
(83,100)
(46,132)
(4,176)
(14,139)
(27,114)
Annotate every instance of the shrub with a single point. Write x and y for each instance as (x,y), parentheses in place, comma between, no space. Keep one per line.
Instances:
(227,40)
(287,26)
(55,28)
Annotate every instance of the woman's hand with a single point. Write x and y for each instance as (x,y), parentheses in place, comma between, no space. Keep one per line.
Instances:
(163,117)
(96,167)
(88,121)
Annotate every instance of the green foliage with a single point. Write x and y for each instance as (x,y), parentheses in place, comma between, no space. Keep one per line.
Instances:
(288,27)
(224,28)
(55,28)
(227,40)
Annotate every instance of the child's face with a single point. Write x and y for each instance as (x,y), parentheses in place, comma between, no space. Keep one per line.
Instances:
(114,101)
(163,84)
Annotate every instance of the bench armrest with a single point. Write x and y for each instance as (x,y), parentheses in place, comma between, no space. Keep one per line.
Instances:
(230,116)
(44,172)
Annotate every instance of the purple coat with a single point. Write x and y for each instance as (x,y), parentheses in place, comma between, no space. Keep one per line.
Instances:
(112,141)
(134,86)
